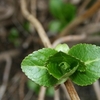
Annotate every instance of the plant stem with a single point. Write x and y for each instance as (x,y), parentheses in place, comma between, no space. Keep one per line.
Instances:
(71,90)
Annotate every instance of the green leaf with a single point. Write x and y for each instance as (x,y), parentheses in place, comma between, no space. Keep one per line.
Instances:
(55,26)
(14,35)
(69,11)
(61,66)
(65,12)
(62,47)
(56,8)
(90,55)
(49,67)
(33,67)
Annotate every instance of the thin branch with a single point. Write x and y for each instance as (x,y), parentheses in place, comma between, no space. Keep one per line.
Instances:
(80,19)
(96,87)
(33,12)
(42,92)
(69,38)
(21,87)
(98,17)
(88,29)
(10,53)
(33,7)
(83,6)
(71,90)
(5,76)
(64,90)
(6,12)
(28,95)
(36,24)
(57,95)
(6,56)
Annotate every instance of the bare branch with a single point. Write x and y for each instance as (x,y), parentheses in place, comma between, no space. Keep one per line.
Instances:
(96,87)
(36,24)
(69,38)
(71,90)
(41,94)
(80,19)
(57,95)
(5,76)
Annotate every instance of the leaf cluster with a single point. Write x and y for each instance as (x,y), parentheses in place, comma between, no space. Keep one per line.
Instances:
(50,67)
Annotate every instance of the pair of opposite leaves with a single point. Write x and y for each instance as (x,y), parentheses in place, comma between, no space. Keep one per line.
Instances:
(50,67)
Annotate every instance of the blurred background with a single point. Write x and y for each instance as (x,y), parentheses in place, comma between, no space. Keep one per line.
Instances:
(18,38)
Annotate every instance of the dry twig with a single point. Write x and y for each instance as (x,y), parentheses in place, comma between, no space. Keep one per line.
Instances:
(57,95)
(80,19)
(69,38)
(35,23)
(96,87)
(6,56)
(64,90)
(33,12)
(42,92)
(83,6)
(5,76)
(88,29)
(21,87)
(6,12)
(71,90)
(28,95)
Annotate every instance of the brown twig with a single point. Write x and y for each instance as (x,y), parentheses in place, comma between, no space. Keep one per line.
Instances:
(21,87)
(64,90)
(71,90)
(88,29)
(6,56)
(83,6)
(42,92)
(80,19)
(33,12)
(6,12)
(98,17)
(44,39)
(36,24)
(33,7)
(5,76)
(28,95)
(96,87)
(69,38)
(57,95)
(10,53)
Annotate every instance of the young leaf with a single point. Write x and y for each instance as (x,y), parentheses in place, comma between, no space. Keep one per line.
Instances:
(62,47)
(90,55)
(62,65)
(33,67)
